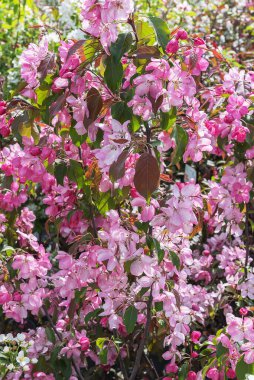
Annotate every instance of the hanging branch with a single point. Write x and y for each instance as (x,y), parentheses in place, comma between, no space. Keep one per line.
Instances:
(143,340)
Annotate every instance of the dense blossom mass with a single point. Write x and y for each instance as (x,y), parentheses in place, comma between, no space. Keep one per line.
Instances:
(126,206)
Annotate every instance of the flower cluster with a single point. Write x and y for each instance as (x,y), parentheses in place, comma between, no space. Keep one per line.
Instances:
(126,205)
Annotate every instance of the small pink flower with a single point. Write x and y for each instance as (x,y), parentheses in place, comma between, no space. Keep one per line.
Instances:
(195,336)
(243,311)
(5,296)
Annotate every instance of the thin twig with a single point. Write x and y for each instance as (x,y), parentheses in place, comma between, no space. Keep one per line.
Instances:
(150,362)
(77,370)
(120,359)
(143,340)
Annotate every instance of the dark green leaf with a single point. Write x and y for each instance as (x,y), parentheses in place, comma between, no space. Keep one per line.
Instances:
(161,29)
(182,375)
(75,173)
(121,46)
(130,318)
(60,172)
(175,259)
(221,350)
(181,138)
(72,308)
(243,369)
(92,314)
(50,334)
(113,74)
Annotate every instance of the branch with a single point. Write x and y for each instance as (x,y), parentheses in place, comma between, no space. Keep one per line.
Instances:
(143,340)
(150,362)
(120,359)
(77,370)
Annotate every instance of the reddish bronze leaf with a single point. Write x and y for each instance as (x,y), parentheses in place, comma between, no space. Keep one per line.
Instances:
(46,65)
(74,48)
(117,169)
(94,105)
(57,105)
(147,52)
(147,175)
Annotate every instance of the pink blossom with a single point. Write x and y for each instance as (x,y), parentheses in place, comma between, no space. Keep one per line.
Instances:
(173,46)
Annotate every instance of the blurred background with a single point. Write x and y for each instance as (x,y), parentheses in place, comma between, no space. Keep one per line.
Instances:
(226,25)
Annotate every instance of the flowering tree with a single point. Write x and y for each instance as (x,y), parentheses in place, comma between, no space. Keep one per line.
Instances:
(126,206)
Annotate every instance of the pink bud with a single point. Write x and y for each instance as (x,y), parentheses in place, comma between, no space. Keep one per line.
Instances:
(194,354)
(229,119)
(213,374)
(2,110)
(243,311)
(85,343)
(171,368)
(35,151)
(198,41)
(191,375)
(195,307)
(17,297)
(195,336)
(231,373)
(104,322)
(172,46)
(206,252)
(182,34)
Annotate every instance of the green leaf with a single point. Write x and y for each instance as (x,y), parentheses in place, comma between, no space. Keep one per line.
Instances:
(121,112)
(182,375)
(121,46)
(50,334)
(130,318)
(75,173)
(181,138)
(243,369)
(175,259)
(161,29)
(92,314)
(154,245)
(168,119)
(60,172)
(76,138)
(103,355)
(145,33)
(113,74)
(143,291)
(158,306)
(100,342)
(221,350)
